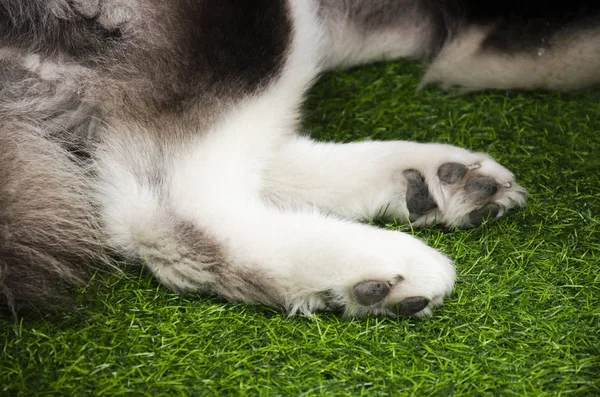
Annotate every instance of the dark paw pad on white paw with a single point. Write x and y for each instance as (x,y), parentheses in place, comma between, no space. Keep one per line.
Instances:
(411,305)
(450,173)
(470,194)
(481,188)
(372,292)
(418,199)
(490,211)
(368,293)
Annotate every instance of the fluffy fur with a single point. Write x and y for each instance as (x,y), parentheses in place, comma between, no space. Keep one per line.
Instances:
(166,132)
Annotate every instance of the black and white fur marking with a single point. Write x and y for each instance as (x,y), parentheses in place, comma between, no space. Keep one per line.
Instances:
(166,132)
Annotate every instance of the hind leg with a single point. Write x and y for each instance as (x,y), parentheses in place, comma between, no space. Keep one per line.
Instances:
(470,45)
(362,31)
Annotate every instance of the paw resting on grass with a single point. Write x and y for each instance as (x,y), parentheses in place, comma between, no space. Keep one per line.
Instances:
(461,192)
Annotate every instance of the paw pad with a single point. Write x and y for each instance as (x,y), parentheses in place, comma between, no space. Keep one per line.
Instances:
(418,199)
(411,305)
(489,211)
(461,195)
(450,173)
(368,293)
(481,188)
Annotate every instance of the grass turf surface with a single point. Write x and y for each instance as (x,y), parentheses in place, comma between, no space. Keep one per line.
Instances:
(524,318)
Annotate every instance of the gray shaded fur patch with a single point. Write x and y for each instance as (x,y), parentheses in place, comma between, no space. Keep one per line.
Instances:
(202,262)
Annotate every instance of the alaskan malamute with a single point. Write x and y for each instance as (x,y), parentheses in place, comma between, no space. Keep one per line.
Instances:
(166,132)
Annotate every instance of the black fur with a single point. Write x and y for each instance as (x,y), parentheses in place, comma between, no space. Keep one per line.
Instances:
(218,49)
(244,41)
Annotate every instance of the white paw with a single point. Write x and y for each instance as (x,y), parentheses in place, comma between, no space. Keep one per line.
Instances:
(411,279)
(460,189)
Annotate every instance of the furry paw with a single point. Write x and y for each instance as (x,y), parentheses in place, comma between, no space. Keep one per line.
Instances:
(461,189)
(412,281)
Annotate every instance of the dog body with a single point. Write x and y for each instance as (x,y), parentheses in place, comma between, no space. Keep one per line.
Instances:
(166,132)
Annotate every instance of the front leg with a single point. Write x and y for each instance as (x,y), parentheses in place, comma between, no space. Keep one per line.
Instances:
(406,181)
(304,262)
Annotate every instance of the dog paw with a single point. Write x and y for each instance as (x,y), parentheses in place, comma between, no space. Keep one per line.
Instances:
(412,281)
(461,190)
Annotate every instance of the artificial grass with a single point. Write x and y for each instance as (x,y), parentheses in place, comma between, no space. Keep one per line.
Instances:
(524,318)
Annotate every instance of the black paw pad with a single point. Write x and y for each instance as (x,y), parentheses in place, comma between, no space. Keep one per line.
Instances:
(411,305)
(489,211)
(481,188)
(368,293)
(450,173)
(418,198)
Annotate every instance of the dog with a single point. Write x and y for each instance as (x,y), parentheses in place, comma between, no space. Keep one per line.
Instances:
(165,132)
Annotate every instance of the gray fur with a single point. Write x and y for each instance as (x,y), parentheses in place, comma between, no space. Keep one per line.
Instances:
(219,276)
(368,17)
(49,232)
